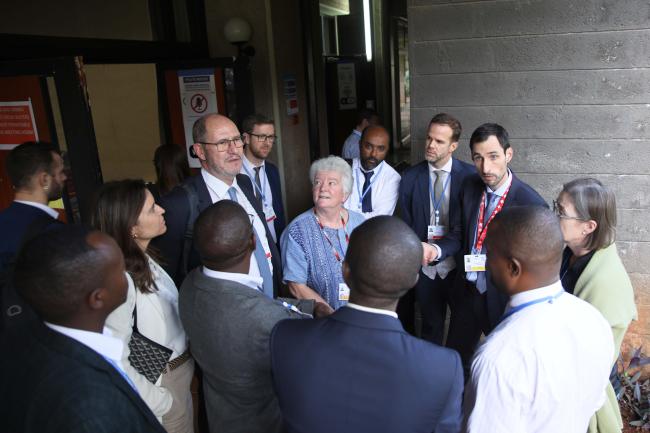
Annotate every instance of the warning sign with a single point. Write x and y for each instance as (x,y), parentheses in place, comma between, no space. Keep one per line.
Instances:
(17,124)
(198,97)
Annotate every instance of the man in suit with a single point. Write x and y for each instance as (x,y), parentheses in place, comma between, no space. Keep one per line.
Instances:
(375,183)
(228,321)
(477,305)
(36,173)
(358,370)
(63,373)
(429,199)
(259,137)
(218,145)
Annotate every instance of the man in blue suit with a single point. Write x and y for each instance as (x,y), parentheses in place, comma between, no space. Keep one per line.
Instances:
(259,137)
(358,370)
(477,306)
(219,147)
(429,196)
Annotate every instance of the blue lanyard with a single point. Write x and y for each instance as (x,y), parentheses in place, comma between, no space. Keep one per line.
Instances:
(436,203)
(548,299)
(263,182)
(374,178)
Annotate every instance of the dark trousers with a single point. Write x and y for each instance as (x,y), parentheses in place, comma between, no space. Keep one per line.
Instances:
(433,296)
(469,318)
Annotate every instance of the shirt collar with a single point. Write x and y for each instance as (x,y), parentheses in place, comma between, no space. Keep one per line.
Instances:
(371,310)
(253,282)
(218,186)
(104,344)
(446,167)
(531,295)
(51,212)
(249,165)
(502,189)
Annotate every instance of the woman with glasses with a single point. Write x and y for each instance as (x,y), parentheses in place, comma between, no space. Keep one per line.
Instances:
(126,211)
(592,269)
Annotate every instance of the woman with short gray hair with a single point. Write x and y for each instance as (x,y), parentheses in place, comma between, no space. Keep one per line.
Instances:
(593,271)
(314,244)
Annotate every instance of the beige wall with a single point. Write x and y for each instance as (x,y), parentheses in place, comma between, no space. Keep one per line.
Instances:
(124,105)
(115,19)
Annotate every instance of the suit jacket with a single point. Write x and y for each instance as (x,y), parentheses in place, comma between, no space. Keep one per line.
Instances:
(520,194)
(52,383)
(177,213)
(415,203)
(228,325)
(361,372)
(273,176)
(14,222)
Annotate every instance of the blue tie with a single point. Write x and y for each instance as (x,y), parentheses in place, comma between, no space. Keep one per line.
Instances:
(260,255)
(366,203)
(481,280)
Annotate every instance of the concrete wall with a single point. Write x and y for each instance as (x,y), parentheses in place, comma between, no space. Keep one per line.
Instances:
(570,81)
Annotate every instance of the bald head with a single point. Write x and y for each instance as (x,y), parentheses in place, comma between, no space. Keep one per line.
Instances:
(529,236)
(223,234)
(383,259)
(373,146)
(209,121)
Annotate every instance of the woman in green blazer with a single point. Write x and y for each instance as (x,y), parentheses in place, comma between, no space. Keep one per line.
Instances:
(593,271)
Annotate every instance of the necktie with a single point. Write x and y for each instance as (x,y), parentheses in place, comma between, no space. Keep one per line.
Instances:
(260,255)
(366,203)
(438,191)
(258,190)
(489,208)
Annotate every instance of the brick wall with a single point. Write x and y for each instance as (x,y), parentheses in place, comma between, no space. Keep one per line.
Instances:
(570,81)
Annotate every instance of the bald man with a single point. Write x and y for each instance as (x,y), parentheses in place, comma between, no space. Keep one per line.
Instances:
(62,373)
(545,367)
(376,183)
(220,148)
(228,320)
(358,370)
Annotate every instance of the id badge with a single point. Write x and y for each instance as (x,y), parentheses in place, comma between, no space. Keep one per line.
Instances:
(269,213)
(475,262)
(435,233)
(344,292)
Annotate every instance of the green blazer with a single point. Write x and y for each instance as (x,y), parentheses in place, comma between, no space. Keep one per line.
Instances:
(605,284)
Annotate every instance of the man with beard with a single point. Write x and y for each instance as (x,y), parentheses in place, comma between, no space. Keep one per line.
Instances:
(36,173)
(430,204)
(219,147)
(259,137)
(374,191)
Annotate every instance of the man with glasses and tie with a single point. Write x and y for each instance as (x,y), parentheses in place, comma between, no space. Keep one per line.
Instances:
(476,305)
(429,196)
(259,138)
(219,147)
(375,183)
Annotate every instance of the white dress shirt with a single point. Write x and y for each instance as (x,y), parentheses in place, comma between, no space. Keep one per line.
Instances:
(266,194)
(218,190)
(371,310)
(104,344)
(351,145)
(447,265)
(544,369)
(48,210)
(385,189)
(254,283)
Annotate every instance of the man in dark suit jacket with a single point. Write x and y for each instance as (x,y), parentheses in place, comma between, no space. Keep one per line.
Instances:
(419,202)
(477,305)
(358,370)
(62,373)
(219,148)
(259,137)
(228,321)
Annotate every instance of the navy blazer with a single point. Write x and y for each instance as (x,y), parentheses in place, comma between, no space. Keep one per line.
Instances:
(52,383)
(14,222)
(273,176)
(356,372)
(520,194)
(415,203)
(177,212)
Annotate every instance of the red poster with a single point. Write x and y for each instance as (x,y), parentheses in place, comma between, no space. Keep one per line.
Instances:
(17,123)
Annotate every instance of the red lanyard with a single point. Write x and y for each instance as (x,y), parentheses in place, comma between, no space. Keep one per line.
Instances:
(481,231)
(322,229)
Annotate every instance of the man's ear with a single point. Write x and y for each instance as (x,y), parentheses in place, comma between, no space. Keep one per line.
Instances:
(199,151)
(453,146)
(509,153)
(96,299)
(346,273)
(252,244)
(514,267)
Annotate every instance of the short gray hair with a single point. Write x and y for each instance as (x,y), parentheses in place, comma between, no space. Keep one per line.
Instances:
(333,163)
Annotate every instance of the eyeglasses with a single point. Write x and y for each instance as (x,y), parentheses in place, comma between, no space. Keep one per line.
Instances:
(559,211)
(264,138)
(223,145)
